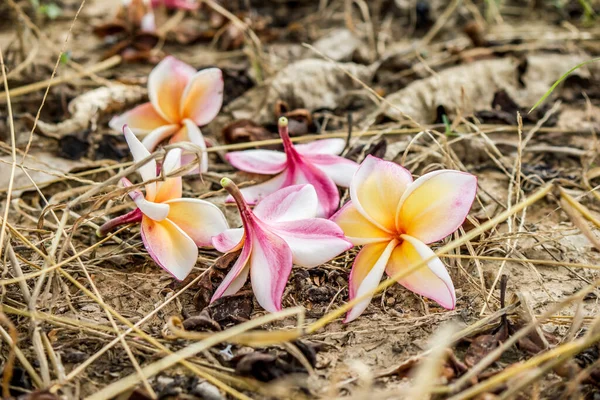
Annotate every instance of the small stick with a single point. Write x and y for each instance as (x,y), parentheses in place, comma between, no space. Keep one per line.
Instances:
(101,66)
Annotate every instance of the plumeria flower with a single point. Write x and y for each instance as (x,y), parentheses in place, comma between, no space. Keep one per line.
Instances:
(281,230)
(395,219)
(172,227)
(316,163)
(181,98)
(188,5)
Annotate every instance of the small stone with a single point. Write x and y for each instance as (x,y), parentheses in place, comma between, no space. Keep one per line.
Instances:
(207,391)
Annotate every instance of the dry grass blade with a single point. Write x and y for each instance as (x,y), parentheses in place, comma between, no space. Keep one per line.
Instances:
(170,360)
(427,373)
(10,360)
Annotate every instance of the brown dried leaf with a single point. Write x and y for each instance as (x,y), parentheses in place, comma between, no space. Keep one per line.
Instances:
(88,107)
(311,84)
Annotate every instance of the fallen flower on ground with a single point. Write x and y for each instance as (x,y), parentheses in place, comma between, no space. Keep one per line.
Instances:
(316,163)
(395,219)
(181,99)
(281,230)
(172,227)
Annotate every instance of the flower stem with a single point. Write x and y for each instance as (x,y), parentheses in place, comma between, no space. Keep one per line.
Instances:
(282,124)
(132,216)
(235,192)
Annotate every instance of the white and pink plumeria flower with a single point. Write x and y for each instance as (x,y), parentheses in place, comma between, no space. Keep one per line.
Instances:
(172,227)
(181,99)
(316,163)
(395,219)
(281,230)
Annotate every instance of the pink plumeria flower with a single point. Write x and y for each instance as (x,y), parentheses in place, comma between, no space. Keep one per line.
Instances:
(188,5)
(181,98)
(281,230)
(395,219)
(316,163)
(172,227)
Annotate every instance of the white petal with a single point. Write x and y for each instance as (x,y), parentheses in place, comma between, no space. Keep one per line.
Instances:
(288,204)
(366,274)
(325,146)
(228,240)
(313,241)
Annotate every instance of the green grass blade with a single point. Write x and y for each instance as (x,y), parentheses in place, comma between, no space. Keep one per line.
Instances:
(562,78)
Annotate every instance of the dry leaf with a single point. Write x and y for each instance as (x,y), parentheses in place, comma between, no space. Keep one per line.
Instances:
(312,84)
(86,108)
(524,81)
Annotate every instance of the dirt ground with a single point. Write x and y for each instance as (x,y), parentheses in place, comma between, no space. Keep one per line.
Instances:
(428,84)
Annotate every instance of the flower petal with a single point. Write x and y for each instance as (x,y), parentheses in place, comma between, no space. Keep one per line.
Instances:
(327,192)
(254,194)
(169,246)
(203,96)
(141,120)
(270,267)
(226,241)
(325,146)
(170,188)
(313,241)
(139,152)
(366,274)
(154,138)
(436,204)
(238,274)
(376,190)
(155,211)
(431,280)
(339,169)
(288,204)
(258,161)
(191,133)
(199,219)
(166,84)
(357,228)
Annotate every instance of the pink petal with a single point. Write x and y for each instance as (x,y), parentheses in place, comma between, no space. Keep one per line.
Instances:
(166,84)
(203,96)
(141,120)
(436,204)
(254,194)
(266,162)
(170,188)
(238,274)
(154,138)
(155,211)
(431,280)
(139,152)
(288,204)
(228,240)
(339,169)
(199,219)
(357,228)
(327,193)
(188,5)
(170,247)
(191,133)
(313,241)
(376,190)
(270,267)
(366,274)
(325,146)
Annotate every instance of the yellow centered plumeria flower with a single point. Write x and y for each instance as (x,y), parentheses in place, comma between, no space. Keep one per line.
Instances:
(181,99)
(172,227)
(395,219)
